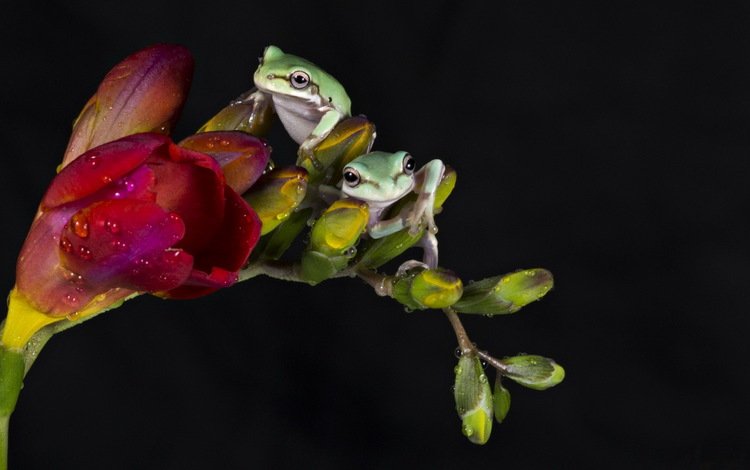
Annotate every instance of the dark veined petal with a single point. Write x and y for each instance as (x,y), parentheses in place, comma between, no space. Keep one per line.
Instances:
(217,266)
(143,93)
(100,166)
(191,185)
(241,156)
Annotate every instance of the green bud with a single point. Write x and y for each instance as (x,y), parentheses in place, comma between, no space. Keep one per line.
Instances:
(275,244)
(429,288)
(377,252)
(251,113)
(316,267)
(500,400)
(339,227)
(333,239)
(505,294)
(276,194)
(536,372)
(350,138)
(473,399)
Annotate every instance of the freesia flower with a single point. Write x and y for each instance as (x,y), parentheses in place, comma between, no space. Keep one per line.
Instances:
(139,214)
(130,211)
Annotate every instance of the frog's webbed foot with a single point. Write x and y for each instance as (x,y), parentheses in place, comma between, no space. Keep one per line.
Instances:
(305,152)
(428,179)
(406,266)
(423,209)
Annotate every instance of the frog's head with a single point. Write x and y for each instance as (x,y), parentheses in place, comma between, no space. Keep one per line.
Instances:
(379,178)
(287,75)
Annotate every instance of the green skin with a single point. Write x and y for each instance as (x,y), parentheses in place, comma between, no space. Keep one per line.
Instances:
(308,101)
(381,179)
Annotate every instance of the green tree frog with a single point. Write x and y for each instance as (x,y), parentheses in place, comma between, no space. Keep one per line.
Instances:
(308,101)
(380,179)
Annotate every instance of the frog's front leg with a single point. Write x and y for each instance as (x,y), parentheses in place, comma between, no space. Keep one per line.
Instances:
(427,180)
(327,122)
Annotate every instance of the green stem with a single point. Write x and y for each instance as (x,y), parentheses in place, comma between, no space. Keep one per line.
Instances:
(11,378)
(4,442)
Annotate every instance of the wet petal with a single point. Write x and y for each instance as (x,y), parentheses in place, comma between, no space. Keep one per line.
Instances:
(143,93)
(242,157)
(277,194)
(100,166)
(125,244)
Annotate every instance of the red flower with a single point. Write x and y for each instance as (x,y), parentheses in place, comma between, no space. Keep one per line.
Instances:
(139,214)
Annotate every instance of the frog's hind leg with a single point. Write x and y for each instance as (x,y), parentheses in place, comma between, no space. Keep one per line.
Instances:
(429,258)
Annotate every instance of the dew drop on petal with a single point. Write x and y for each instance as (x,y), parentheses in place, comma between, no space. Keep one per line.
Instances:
(483,379)
(85,253)
(119,245)
(467,430)
(80,225)
(106,179)
(71,300)
(112,227)
(92,160)
(65,245)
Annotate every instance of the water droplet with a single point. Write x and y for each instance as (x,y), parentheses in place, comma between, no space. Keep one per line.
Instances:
(85,253)
(112,227)
(530,273)
(351,252)
(71,300)
(119,245)
(467,430)
(106,179)
(458,353)
(92,160)
(483,363)
(433,230)
(483,379)
(457,370)
(225,143)
(163,277)
(210,144)
(72,277)
(73,316)
(408,310)
(80,225)
(66,245)
(282,216)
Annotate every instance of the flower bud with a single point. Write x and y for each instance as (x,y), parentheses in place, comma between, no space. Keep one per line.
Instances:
(350,138)
(505,294)
(276,195)
(377,252)
(333,239)
(242,157)
(275,244)
(500,400)
(251,112)
(430,288)
(536,372)
(473,399)
(339,227)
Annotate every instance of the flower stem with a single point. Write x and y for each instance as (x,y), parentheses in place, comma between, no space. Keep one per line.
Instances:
(11,378)
(4,442)
(464,343)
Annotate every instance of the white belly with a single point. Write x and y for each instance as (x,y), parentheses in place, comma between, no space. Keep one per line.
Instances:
(298,117)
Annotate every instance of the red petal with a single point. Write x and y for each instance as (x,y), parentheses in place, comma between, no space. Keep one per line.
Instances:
(143,93)
(201,283)
(235,239)
(99,167)
(242,157)
(191,185)
(125,244)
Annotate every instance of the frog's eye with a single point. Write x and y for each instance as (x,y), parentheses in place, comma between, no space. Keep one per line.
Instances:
(409,164)
(299,79)
(351,177)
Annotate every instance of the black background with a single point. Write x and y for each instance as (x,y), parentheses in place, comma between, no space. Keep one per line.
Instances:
(605,143)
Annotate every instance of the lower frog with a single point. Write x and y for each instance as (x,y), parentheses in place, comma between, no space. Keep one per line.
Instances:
(381,179)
